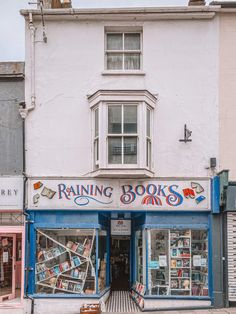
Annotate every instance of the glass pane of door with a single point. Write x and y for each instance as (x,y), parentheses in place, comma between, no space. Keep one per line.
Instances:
(7,271)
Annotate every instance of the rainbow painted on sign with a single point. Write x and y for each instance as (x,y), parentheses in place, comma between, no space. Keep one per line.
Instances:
(152,194)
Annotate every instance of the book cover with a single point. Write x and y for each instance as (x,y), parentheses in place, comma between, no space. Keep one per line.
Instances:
(80,249)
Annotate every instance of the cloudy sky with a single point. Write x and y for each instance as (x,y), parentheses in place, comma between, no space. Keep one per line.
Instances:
(12,23)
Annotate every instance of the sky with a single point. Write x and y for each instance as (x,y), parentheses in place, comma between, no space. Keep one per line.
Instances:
(12,23)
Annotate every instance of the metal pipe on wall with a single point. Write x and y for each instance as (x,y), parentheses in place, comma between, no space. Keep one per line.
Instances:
(32,61)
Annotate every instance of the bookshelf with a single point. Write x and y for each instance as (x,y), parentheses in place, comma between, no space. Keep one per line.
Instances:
(200,269)
(139,257)
(184,271)
(138,291)
(180,262)
(64,263)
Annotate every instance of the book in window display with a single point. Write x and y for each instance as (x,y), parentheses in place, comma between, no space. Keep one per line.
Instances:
(65,265)
(180,250)
(199,263)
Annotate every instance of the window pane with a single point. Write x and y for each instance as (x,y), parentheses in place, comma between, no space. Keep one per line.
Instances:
(148,122)
(139,256)
(132,41)
(114,42)
(114,119)
(130,150)
(96,122)
(96,150)
(130,119)
(132,61)
(199,263)
(159,271)
(180,263)
(148,148)
(114,150)
(114,61)
(65,261)
(102,255)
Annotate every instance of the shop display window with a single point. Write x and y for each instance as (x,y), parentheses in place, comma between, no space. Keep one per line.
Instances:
(139,256)
(102,259)
(199,263)
(158,262)
(65,261)
(7,248)
(178,262)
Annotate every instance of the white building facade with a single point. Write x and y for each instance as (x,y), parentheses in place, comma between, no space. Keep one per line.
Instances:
(122,144)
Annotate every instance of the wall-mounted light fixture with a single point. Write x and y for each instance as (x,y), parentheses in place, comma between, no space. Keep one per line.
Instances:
(212,162)
(187,135)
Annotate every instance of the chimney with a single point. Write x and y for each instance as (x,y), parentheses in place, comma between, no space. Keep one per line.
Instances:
(196,2)
(56,4)
(66,4)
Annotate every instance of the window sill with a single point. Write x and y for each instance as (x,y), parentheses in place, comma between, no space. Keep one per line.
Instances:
(122,173)
(118,72)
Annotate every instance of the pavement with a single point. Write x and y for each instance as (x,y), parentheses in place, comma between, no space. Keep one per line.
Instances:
(230,310)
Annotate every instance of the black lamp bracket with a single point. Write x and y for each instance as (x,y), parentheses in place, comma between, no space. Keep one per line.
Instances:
(187,135)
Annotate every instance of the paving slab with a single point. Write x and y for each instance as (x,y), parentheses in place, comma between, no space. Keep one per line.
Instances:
(209,311)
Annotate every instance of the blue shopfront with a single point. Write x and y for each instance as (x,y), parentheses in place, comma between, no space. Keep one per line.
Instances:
(85,236)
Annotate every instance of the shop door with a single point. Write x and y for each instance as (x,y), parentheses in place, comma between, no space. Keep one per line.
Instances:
(120,262)
(7,266)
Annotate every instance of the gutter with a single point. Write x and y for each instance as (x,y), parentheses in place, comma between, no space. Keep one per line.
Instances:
(196,12)
(135,10)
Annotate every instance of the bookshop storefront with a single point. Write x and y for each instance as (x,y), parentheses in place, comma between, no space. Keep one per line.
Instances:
(82,232)
(11,241)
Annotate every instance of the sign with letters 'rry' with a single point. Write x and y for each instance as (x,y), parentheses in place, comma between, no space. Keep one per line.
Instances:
(11,193)
(112,194)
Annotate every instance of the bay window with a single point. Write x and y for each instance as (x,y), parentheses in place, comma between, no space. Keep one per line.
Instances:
(122,132)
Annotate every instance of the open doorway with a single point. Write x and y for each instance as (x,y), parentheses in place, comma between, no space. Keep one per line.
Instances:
(120,262)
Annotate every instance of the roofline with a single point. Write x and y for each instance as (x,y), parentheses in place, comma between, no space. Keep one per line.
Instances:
(127,14)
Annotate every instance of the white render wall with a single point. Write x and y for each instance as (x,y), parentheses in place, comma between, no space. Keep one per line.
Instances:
(180,59)
(227,93)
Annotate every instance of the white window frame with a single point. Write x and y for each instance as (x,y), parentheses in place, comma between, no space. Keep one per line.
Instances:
(96,139)
(123,51)
(122,135)
(144,101)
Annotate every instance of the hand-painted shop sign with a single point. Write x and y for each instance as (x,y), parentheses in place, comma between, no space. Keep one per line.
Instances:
(119,194)
(120,227)
(11,193)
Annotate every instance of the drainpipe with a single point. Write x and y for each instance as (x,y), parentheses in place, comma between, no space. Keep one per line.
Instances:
(32,60)
(25,110)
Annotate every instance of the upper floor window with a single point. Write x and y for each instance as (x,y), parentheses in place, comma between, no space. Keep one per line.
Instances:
(122,132)
(123,51)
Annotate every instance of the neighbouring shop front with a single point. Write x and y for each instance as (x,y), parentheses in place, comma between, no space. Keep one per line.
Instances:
(230,238)
(11,241)
(152,237)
